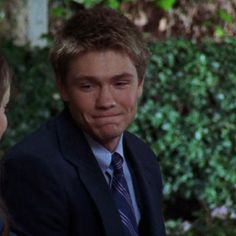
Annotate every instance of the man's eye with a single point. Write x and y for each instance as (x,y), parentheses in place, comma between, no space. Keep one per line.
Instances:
(86,86)
(122,83)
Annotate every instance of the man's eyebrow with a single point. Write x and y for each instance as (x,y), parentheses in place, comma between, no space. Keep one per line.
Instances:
(123,75)
(86,77)
(93,78)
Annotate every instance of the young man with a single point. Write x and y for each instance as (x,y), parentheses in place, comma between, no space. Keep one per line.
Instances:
(82,174)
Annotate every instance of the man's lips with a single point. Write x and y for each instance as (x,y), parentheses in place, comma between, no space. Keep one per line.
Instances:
(106,116)
(106,119)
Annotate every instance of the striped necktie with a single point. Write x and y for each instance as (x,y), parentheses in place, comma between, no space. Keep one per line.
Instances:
(122,198)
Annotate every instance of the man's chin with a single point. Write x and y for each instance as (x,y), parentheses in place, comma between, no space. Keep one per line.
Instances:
(104,136)
(107,135)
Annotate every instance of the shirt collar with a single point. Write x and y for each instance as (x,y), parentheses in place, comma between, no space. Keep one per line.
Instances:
(102,155)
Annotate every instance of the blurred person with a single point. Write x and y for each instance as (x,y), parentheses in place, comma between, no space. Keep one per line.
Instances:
(82,173)
(5,84)
(5,81)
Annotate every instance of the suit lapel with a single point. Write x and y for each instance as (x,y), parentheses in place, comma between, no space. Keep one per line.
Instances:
(144,171)
(77,151)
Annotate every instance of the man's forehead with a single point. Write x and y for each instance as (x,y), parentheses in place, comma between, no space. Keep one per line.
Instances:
(96,59)
(104,51)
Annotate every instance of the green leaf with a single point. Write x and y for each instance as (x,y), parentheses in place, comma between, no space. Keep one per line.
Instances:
(225,16)
(113,4)
(219,32)
(58,12)
(89,3)
(166,4)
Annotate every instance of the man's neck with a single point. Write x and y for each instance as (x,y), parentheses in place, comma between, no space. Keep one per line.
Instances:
(110,145)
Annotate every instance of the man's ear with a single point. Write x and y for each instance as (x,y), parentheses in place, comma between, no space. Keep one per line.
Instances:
(62,89)
(140,87)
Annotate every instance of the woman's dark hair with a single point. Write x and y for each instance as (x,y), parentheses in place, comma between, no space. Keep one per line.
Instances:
(5,76)
(5,81)
(5,218)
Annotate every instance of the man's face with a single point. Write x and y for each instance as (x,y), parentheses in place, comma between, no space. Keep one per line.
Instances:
(101,90)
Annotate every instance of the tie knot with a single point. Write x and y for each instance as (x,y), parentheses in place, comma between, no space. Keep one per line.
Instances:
(116,162)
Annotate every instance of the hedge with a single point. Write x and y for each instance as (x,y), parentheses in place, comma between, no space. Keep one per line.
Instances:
(187,114)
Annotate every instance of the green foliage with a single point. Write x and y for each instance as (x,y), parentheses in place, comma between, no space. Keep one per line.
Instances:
(225,16)
(188,115)
(218,22)
(59,12)
(90,3)
(165,4)
(34,97)
(219,32)
(202,226)
(65,11)
(214,227)
(62,10)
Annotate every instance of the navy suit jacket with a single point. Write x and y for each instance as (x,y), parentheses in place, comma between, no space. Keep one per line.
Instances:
(54,187)
(2,228)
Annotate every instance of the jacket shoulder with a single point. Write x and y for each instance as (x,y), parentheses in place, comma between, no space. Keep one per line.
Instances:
(40,141)
(138,145)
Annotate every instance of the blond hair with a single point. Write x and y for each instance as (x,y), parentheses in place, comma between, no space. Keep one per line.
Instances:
(98,29)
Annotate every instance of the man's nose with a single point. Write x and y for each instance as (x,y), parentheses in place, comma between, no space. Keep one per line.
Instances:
(105,98)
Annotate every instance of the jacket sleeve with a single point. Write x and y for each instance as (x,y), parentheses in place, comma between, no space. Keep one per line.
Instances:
(35,197)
